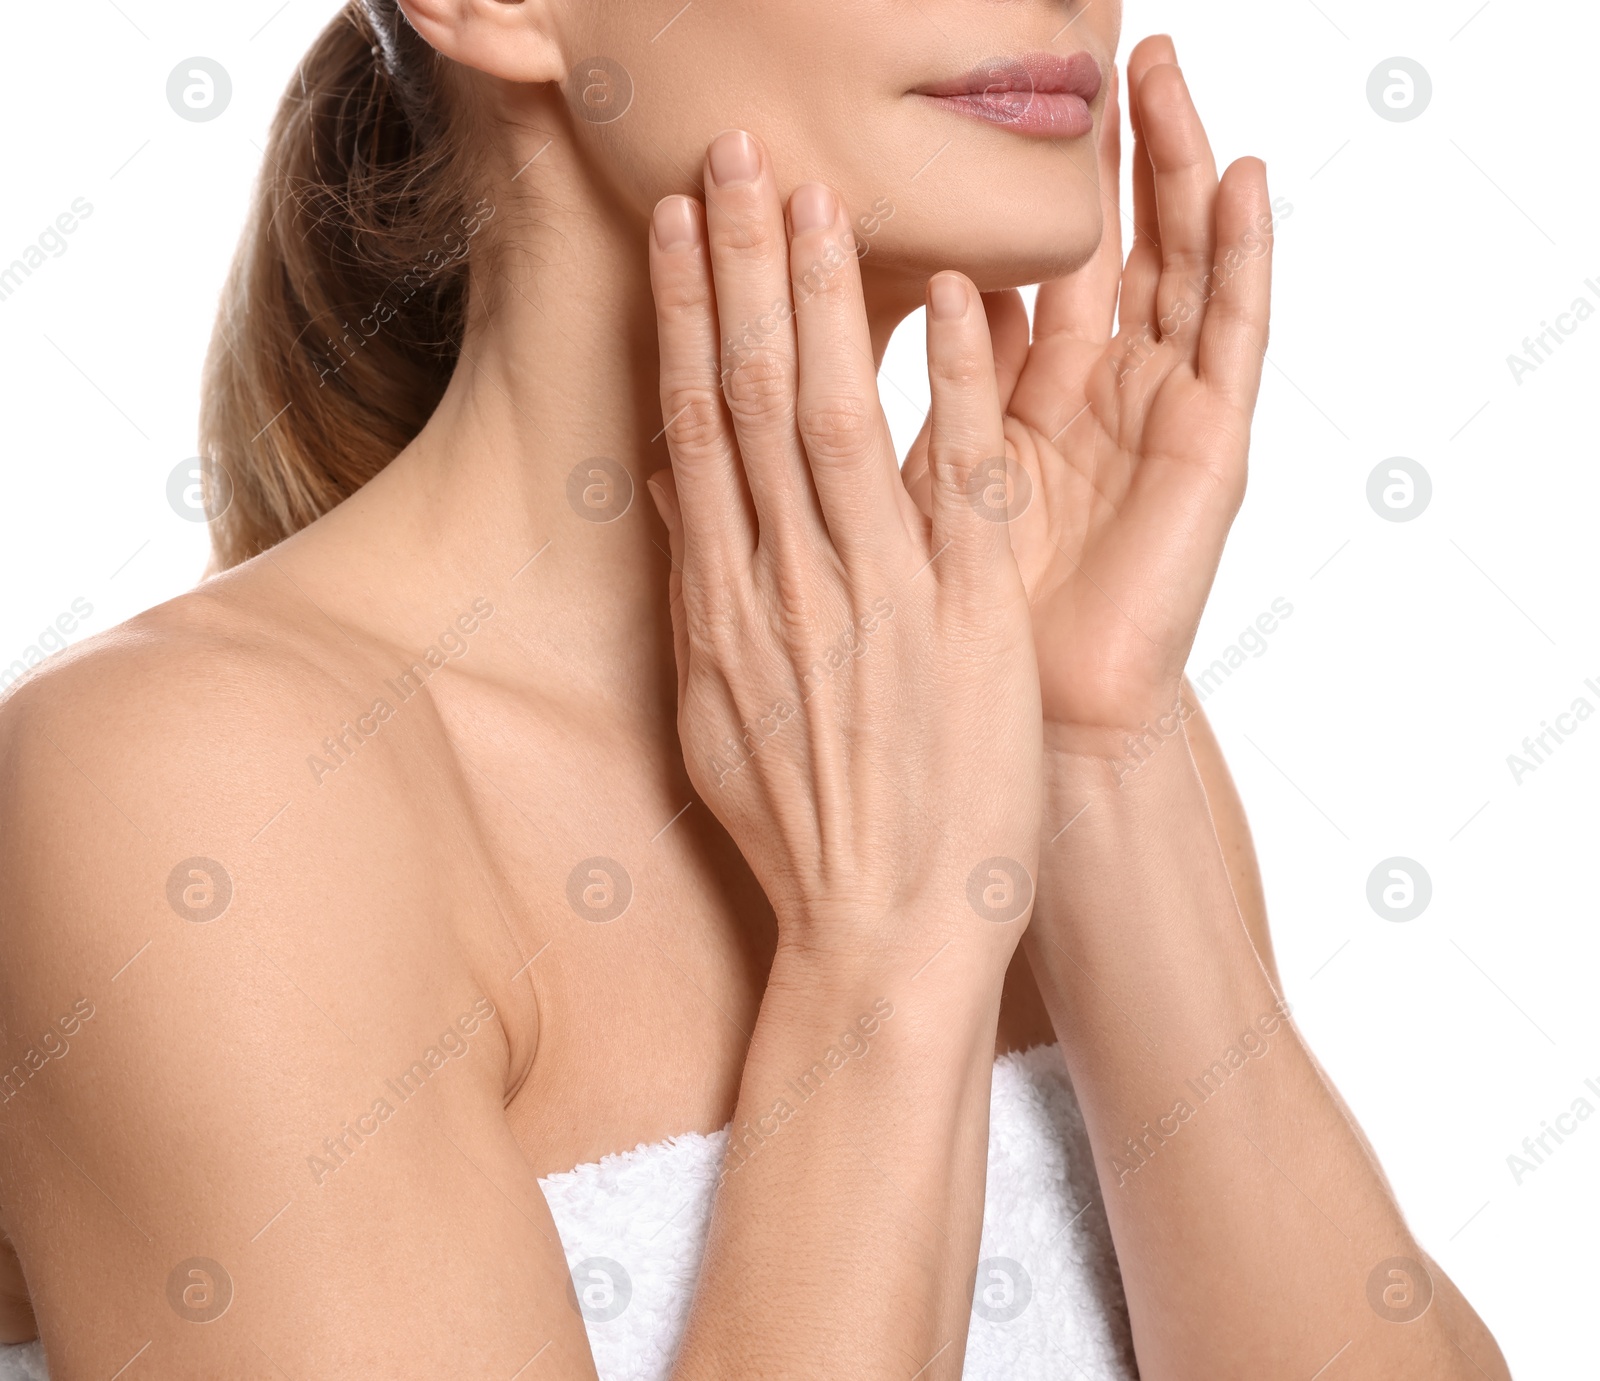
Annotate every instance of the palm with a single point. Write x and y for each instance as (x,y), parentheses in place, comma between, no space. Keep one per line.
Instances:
(1131,500)
(1134,445)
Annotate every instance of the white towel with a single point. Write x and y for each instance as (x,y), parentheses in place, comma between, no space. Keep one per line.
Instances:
(1048,1292)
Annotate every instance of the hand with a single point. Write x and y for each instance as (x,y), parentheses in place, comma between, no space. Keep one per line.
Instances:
(1134,445)
(858,696)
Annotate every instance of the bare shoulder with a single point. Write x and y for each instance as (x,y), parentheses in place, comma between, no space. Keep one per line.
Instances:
(241,1025)
(207,738)
(216,651)
(175,730)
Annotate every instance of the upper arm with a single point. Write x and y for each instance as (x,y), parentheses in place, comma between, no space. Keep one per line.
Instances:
(292,1106)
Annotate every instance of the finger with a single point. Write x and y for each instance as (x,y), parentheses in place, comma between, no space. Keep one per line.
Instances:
(1007,316)
(719,518)
(840,419)
(1083,305)
(966,443)
(664,491)
(1155,51)
(1008,331)
(1186,192)
(1137,305)
(1233,338)
(750,273)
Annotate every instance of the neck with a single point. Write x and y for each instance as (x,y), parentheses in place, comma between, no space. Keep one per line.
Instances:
(517,489)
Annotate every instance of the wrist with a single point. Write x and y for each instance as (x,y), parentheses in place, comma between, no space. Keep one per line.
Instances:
(965,921)
(1112,751)
(943,981)
(1104,793)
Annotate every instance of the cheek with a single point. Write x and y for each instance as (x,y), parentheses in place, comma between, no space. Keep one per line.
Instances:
(808,79)
(823,84)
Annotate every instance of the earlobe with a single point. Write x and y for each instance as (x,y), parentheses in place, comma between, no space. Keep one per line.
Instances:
(514,40)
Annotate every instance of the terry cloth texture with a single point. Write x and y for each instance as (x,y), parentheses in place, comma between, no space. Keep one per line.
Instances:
(1047,1300)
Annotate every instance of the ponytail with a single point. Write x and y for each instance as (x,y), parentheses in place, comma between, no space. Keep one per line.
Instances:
(342,316)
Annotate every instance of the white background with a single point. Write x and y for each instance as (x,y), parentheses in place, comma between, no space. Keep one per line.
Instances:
(1379,718)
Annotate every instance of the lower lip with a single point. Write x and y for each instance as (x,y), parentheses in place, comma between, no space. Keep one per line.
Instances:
(1037,114)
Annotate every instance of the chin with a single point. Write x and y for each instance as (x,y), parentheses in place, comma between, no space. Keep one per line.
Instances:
(1003,209)
(1019,243)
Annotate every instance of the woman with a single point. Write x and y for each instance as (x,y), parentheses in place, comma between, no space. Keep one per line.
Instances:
(470,826)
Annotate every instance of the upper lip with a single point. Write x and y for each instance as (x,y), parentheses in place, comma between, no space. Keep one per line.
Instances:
(1043,73)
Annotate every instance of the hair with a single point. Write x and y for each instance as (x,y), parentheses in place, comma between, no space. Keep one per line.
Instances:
(356,223)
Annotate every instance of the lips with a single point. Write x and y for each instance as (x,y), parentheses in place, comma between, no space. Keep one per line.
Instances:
(1041,95)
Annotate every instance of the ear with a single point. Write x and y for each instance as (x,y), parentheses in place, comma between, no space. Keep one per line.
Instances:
(514,40)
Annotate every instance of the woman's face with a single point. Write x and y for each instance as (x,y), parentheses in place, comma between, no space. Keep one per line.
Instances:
(884,100)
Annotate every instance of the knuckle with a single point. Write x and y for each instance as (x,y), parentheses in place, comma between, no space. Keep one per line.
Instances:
(821,278)
(760,388)
(682,295)
(837,429)
(958,369)
(747,233)
(953,466)
(693,416)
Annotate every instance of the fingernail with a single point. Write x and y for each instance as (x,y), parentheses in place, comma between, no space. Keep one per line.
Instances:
(664,504)
(675,223)
(734,159)
(812,207)
(947,297)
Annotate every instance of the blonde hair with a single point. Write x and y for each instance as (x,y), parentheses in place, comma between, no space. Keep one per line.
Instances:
(342,316)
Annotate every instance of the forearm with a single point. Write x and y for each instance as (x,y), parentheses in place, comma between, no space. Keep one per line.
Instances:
(849,1210)
(1232,830)
(1223,1154)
